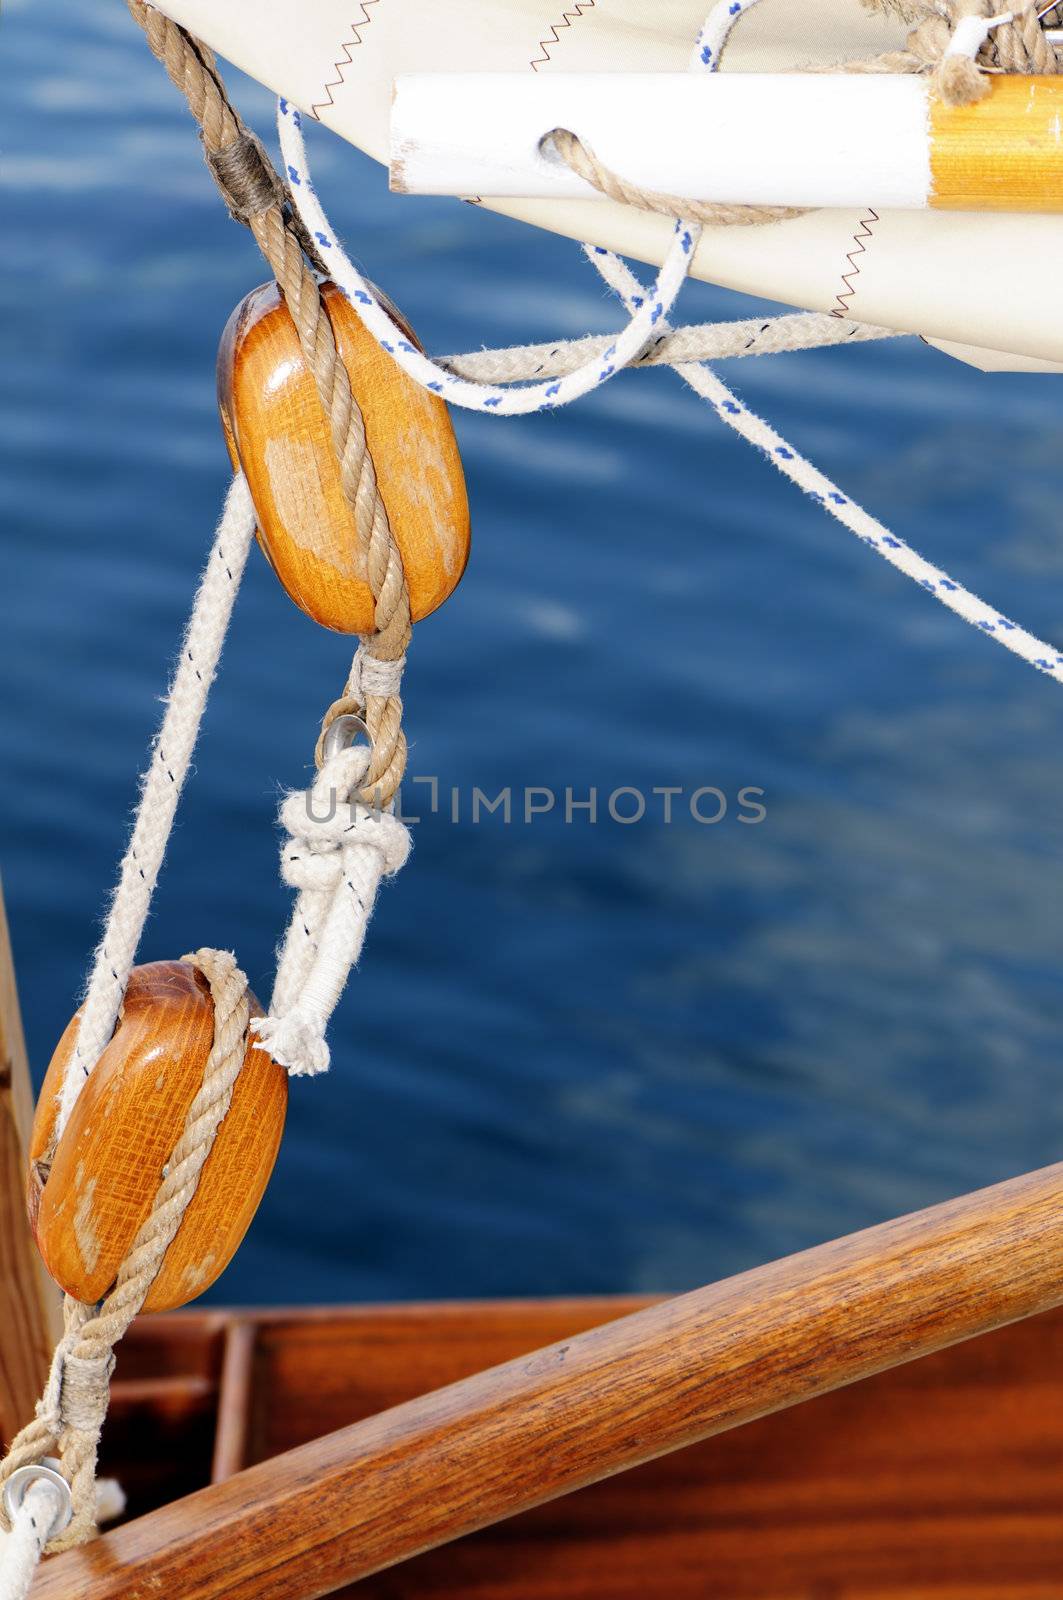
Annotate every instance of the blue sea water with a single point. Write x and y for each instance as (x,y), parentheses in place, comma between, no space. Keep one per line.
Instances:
(576,1057)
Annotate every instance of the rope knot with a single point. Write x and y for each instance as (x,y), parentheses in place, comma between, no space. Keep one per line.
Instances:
(313,856)
(337,851)
(324,821)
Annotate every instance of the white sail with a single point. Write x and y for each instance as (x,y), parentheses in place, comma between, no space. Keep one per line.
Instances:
(969,279)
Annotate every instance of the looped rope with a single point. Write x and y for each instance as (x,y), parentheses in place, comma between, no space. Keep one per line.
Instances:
(71,1412)
(373,691)
(582,160)
(337,851)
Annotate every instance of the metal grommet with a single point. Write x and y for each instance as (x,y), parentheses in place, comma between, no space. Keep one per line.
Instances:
(22,1480)
(345,731)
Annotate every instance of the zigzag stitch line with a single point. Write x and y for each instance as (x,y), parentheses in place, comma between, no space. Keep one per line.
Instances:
(340,67)
(567,19)
(844,296)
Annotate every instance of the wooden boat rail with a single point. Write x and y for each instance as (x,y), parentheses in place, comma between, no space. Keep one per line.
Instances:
(429,1470)
(30,1316)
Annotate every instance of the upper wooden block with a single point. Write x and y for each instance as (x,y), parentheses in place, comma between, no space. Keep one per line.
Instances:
(277,432)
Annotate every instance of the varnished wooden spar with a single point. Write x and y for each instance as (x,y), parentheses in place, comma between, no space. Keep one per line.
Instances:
(30,1320)
(276,430)
(937,1480)
(428,1471)
(1004,153)
(88,1196)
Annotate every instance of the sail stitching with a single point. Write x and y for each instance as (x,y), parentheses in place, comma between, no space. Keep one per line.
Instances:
(567,19)
(843,303)
(340,67)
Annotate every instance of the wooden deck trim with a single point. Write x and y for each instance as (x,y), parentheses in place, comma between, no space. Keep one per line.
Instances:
(234,1399)
(30,1314)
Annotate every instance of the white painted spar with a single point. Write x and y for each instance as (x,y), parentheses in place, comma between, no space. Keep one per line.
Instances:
(951,275)
(759,138)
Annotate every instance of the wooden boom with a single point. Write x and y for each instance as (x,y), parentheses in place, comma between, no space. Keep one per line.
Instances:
(787,139)
(329,1513)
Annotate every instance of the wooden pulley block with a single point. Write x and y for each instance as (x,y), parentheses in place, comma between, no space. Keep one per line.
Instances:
(89,1196)
(277,432)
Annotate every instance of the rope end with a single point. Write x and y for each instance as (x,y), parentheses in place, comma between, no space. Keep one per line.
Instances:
(294,1042)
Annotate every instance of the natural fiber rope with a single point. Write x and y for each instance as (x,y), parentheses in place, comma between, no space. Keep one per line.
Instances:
(255,195)
(582,160)
(71,1412)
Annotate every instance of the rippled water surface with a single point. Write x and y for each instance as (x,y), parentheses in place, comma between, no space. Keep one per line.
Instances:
(576,1057)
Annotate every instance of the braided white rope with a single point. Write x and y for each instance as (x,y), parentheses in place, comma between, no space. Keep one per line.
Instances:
(703,341)
(335,856)
(31,1528)
(43,1512)
(648,310)
(789,461)
(711,40)
(161,789)
(646,316)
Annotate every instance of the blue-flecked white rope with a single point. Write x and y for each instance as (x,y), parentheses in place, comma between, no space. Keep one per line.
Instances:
(513,401)
(646,317)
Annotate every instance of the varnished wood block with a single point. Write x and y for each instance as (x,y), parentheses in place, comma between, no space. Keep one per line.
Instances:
(1004,153)
(89,1197)
(276,431)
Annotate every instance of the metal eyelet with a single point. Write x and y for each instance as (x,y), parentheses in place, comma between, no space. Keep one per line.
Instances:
(22,1480)
(342,734)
